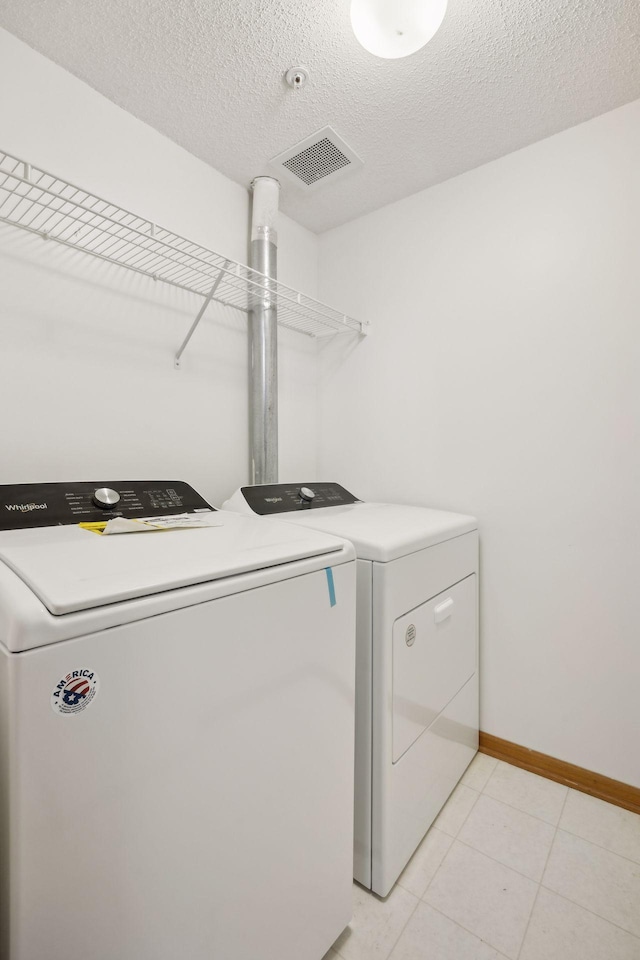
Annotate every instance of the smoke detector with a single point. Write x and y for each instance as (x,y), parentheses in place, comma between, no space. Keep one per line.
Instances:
(321,158)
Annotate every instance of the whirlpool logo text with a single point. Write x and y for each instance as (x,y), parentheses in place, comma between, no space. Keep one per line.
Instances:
(25,507)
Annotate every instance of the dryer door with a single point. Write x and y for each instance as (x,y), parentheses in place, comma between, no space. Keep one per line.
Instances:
(434,654)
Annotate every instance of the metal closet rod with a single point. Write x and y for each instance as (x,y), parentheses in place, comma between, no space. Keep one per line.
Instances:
(40,202)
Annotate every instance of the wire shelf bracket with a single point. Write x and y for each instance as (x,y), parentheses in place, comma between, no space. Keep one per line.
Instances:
(200,315)
(42,203)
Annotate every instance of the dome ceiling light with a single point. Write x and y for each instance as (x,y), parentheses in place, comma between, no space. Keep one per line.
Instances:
(396,28)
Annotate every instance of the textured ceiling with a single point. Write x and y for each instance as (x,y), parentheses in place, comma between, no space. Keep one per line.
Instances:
(209,74)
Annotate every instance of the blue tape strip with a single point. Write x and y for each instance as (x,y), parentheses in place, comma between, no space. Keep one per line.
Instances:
(331,585)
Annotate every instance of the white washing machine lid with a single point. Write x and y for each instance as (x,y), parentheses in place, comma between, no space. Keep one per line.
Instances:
(71,569)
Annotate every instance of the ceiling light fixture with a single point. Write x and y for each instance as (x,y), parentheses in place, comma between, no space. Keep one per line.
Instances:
(396,28)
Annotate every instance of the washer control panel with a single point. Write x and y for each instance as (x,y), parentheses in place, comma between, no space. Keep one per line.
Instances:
(52,504)
(269,498)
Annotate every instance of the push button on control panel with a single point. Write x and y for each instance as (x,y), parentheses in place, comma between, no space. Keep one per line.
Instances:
(106,498)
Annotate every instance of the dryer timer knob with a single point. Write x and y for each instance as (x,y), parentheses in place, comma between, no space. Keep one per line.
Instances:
(306,493)
(106,498)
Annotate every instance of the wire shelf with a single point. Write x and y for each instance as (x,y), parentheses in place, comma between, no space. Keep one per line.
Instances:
(34,200)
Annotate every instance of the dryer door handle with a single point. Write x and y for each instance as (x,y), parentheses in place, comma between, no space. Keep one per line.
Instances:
(443,610)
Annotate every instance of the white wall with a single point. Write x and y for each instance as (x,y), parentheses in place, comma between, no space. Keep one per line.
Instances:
(87,384)
(502,380)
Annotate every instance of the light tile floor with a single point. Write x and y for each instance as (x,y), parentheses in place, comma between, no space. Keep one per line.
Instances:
(516,867)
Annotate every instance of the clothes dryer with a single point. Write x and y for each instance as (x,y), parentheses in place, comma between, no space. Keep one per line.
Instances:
(417,659)
(176,730)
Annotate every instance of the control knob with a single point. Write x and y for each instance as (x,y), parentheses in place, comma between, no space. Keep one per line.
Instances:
(106,498)
(306,493)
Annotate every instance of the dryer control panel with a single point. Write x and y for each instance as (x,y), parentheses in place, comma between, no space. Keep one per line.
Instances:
(51,504)
(270,498)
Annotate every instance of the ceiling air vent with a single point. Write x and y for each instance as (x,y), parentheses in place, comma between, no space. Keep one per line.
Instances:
(321,157)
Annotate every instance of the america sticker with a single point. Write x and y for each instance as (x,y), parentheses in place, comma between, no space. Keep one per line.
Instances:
(75,692)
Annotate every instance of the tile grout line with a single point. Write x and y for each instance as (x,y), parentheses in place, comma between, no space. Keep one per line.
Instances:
(525,813)
(614,853)
(370,893)
(520,810)
(506,866)
(453,840)
(478,795)
(482,793)
(466,930)
(598,916)
(507,804)
(544,870)
(462,780)
(429,831)
(404,927)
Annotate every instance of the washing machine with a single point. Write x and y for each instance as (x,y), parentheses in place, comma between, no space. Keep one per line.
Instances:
(417,659)
(176,730)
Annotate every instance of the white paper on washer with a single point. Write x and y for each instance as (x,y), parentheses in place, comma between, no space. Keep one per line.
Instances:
(179,521)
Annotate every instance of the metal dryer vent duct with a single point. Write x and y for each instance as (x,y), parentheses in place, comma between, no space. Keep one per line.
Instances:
(264,334)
